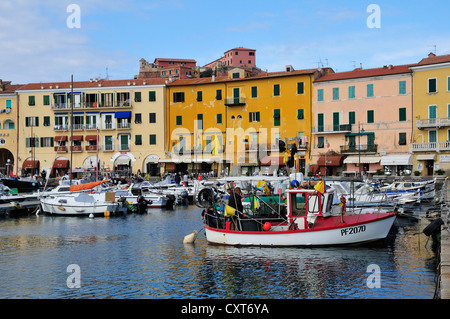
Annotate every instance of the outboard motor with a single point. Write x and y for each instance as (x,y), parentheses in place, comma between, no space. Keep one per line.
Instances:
(142,204)
(170,201)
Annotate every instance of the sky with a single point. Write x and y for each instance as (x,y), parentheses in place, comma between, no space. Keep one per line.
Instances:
(48,41)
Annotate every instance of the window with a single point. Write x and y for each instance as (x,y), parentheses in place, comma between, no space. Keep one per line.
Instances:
(179,120)
(218,94)
(370,116)
(276,117)
(369,90)
(254,91)
(31,101)
(432,113)
(137,97)
(123,99)
(219,118)
(178,97)
(138,139)
(319,95)
(199,96)
(432,136)
(401,138)
(32,121)
(351,92)
(320,122)
(432,85)
(91,121)
(47,141)
(32,142)
(351,117)
(276,90)
(300,88)
(336,121)
(46,120)
(200,121)
(300,114)
(152,117)
(236,75)
(335,94)
(254,117)
(106,99)
(151,96)
(46,100)
(320,142)
(402,87)
(137,118)
(402,114)
(152,139)
(448,83)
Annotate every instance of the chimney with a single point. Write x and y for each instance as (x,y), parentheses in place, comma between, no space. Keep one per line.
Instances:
(391,66)
(431,55)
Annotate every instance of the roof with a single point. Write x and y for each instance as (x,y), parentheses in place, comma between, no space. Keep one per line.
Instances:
(93,83)
(175,60)
(240,48)
(263,75)
(362,73)
(9,88)
(434,59)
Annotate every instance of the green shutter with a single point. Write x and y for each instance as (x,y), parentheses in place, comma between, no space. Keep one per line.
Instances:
(369,90)
(219,118)
(137,96)
(276,117)
(138,139)
(402,87)
(31,100)
(300,114)
(200,121)
(199,96)
(320,124)
(300,88)
(432,85)
(179,120)
(152,139)
(152,96)
(401,138)
(27,121)
(351,117)
(276,90)
(335,94)
(254,91)
(320,142)
(336,121)
(402,114)
(250,117)
(52,141)
(351,92)
(257,117)
(46,99)
(370,116)
(319,95)
(218,94)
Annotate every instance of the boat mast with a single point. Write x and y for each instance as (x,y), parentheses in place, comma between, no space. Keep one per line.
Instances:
(71,128)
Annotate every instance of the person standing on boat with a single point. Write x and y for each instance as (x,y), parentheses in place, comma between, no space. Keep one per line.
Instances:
(235,200)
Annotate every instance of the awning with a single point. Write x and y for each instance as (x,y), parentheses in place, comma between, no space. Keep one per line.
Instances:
(61,164)
(122,115)
(77,138)
(426,157)
(364,159)
(396,160)
(60,138)
(122,160)
(30,164)
(91,137)
(330,161)
(272,160)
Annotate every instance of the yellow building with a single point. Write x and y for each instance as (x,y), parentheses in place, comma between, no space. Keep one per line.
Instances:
(251,112)
(118,122)
(8,127)
(431,146)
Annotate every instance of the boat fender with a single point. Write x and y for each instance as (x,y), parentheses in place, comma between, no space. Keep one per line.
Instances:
(61,208)
(343,202)
(434,227)
(266,226)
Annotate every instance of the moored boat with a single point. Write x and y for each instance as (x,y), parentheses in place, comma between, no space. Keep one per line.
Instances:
(310,219)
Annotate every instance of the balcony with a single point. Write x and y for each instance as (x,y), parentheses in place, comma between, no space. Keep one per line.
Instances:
(91,105)
(235,101)
(124,125)
(61,127)
(91,148)
(433,123)
(124,147)
(61,149)
(430,146)
(90,126)
(356,149)
(108,147)
(77,148)
(332,129)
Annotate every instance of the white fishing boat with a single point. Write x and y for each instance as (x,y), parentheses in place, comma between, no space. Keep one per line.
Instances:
(79,203)
(425,190)
(311,220)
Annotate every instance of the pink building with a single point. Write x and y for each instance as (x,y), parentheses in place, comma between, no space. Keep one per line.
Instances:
(165,63)
(238,57)
(363,122)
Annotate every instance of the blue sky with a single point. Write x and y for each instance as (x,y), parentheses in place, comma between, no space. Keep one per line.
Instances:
(36,45)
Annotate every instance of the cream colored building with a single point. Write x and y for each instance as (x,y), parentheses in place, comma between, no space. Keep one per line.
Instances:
(118,122)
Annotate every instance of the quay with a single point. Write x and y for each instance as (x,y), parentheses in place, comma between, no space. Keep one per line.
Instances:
(444,265)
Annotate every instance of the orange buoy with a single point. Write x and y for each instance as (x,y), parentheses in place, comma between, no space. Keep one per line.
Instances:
(267,226)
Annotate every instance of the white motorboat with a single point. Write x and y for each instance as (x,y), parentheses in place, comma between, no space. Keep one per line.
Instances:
(79,203)
(425,190)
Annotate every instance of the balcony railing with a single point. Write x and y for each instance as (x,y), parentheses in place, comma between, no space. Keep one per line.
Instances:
(348,149)
(123,125)
(124,147)
(91,126)
(77,148)
(430,146)
(89,105)
(426,123)
(61,149)
(61,127)
(108,147)
(91,148)
(326,129)
(233,101)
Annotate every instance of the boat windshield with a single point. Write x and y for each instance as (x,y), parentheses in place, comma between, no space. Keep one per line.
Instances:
(303,203)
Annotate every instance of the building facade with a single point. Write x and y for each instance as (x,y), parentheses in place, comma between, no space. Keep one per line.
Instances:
(363,122)
(431,146)
(117,125)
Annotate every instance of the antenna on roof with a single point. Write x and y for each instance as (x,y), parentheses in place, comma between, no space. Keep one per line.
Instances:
(434,46)
(107,76)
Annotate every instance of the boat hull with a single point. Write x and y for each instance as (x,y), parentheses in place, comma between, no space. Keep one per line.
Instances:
(350,232)
(69,205)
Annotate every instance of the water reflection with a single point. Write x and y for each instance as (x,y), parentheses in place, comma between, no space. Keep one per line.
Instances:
(142,256)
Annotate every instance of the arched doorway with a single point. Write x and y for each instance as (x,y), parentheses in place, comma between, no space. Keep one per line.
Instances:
(6,162)
(60,167)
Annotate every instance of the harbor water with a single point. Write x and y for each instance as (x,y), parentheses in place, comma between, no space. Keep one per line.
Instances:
(142,256)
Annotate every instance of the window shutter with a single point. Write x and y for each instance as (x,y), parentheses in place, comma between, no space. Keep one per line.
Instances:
(152,96)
